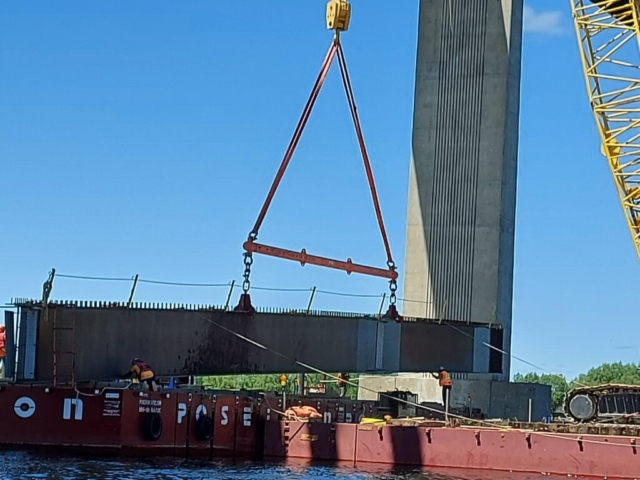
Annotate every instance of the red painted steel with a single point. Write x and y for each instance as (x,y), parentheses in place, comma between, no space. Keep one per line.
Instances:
(47,416)
(101,420)
(330,408)
(111,420)
(181,432)
(135,406)
(224,430)
(201,405)
(457,448)
(274,440)
(345,442)
(189,408)
(303,257)
(498,450)
(314,440)
(265,412)
(298,443)
(246,427)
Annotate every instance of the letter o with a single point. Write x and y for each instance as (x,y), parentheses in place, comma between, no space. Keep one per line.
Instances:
(24,407)
(201,410)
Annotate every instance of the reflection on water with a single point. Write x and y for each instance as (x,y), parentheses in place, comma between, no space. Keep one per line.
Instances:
(23,465)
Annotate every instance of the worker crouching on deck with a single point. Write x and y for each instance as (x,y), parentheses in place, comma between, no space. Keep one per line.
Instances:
(445,383)
(142,372)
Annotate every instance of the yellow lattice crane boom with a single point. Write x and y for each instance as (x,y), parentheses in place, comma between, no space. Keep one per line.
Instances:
(609,38)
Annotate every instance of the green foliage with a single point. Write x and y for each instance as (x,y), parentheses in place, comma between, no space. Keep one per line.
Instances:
(559,385)
(628,374)
(266,383)
(606,373)
(271,383)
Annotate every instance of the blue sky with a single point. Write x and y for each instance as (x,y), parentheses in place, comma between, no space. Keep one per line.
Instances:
(142,138)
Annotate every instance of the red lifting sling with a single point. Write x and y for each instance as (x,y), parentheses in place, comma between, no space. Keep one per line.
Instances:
(251,246)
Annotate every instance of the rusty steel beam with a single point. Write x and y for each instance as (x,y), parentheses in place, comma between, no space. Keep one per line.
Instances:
(206,341)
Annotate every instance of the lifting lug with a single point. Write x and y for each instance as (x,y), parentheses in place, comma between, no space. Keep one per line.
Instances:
(244,305)
(393,314)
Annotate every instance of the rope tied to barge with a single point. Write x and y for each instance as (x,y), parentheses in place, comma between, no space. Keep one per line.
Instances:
(481,423)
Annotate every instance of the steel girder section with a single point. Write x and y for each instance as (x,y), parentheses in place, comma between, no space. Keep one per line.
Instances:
(218,342)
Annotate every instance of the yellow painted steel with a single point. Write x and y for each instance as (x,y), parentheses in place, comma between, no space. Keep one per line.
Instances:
(609,37)
(338,15)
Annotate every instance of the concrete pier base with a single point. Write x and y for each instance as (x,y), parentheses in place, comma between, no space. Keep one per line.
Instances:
(496,399)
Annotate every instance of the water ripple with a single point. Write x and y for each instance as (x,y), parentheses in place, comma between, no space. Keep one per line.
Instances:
(28,465)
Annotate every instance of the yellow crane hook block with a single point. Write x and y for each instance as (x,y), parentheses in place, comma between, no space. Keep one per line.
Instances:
(338,15)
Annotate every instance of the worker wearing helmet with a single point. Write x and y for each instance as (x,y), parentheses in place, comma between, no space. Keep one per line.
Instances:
(3,350)
(445,382)
(142,372)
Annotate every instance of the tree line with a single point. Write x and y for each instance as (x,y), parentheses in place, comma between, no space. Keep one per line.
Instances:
(271,383)
(627,374)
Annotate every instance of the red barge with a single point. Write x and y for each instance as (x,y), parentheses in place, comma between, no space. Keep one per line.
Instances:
(247,425)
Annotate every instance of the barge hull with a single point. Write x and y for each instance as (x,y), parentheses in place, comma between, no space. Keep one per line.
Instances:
(112,421)
(596,456)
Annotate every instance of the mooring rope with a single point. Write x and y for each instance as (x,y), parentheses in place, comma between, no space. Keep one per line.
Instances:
(406,402)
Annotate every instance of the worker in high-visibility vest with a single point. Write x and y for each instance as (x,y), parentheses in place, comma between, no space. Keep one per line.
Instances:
(3,351)
(143,373)
(445,383)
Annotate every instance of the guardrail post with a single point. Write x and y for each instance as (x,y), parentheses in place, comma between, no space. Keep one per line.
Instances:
(133,290)
(226,305)
(313,294)
(384,297)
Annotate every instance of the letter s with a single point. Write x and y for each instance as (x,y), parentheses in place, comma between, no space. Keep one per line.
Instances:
(225,417)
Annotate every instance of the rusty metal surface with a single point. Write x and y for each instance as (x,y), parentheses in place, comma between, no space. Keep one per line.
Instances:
(27,302)
(180,341)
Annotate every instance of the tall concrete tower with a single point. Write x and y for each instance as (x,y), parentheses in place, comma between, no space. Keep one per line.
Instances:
(462,190)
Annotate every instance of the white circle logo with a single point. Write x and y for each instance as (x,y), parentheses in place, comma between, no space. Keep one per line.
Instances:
(24,407)
(201,410)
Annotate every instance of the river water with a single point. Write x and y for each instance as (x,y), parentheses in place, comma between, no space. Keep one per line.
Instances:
(28,465)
